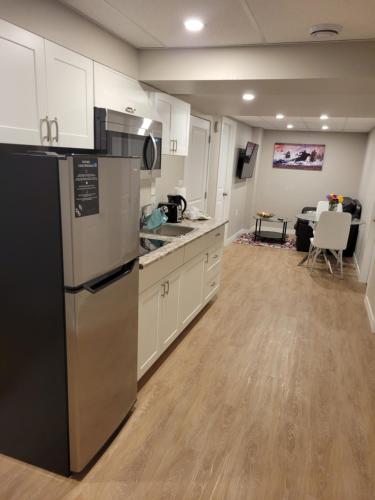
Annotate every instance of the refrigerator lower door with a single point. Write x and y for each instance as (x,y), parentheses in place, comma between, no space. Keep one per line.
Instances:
(102,337)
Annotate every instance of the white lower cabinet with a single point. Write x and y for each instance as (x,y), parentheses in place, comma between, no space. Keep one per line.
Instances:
(169,301)
(170,306)
(150,305)
(192,282)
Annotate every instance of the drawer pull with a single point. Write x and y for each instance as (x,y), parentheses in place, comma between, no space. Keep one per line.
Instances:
(215,256)
(213,283)
(217,234)
(129,109)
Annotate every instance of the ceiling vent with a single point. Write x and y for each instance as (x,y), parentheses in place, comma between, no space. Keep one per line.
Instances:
(325,31)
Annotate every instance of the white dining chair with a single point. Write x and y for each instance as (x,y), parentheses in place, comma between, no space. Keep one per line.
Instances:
(323,206)
(331,234)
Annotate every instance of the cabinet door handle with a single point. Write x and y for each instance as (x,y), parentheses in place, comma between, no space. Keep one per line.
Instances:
(217,234)
(215,256)
(48,136)
(167,287)
(213,283)
(176,146)
(56,123)
(172,145)
(129,109)
(163,292)
(207,258)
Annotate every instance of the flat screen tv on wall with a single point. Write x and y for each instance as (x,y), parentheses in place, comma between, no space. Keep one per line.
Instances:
(246,160)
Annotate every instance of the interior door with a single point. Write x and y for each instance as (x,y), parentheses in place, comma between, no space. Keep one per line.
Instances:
(23,96)
(70,84)
(226,165)
(196,163)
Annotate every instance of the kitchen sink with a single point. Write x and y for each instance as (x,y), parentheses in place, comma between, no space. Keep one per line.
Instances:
(172,230)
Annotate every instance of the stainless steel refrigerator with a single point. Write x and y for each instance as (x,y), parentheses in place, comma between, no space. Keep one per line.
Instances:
(69,313)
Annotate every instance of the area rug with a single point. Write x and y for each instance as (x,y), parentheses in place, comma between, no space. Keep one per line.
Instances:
(248,239)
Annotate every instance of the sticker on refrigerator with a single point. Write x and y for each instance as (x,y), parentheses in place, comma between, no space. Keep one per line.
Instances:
(86,187)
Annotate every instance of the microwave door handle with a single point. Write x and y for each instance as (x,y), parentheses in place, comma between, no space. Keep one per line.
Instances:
(155,150)
(145,161)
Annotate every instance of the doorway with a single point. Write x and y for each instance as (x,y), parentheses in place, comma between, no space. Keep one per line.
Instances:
(225,171)
(196,163)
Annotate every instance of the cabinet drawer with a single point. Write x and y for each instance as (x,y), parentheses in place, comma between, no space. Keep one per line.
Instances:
(217,236)
(212,283)
(160,269)
(214,256)
(197,246)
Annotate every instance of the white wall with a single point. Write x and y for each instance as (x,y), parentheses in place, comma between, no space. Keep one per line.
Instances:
(285,192)
(56,22)
(156,190)
(366,238)
(242,189)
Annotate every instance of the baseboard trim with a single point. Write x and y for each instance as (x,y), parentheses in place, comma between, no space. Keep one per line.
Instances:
(356,265)
(370,314)
(234,236)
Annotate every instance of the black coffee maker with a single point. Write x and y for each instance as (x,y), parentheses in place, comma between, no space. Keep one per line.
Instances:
(181,204)
(174,208)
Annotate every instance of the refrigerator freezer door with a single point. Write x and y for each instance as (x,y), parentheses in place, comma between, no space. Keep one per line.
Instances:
(106,236)
(102,332)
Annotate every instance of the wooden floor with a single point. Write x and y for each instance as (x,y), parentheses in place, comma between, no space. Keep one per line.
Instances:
(270,396)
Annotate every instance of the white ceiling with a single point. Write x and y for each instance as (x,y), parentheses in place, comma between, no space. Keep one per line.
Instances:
(159,23)
(342,124)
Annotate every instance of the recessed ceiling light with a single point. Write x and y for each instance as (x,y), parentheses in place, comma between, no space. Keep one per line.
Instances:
(325,31)
(324,117)
(280,116)
(290,125)
(248,97)
(193,24)
(325,127)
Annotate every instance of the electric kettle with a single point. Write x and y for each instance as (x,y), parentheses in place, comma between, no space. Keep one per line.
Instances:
(180,202)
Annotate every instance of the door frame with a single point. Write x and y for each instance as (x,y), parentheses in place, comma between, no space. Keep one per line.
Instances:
(229,165)
(208,155)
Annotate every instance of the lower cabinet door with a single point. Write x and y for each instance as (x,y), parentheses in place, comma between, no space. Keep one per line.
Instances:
(150,311)
(170,327)
(191,289)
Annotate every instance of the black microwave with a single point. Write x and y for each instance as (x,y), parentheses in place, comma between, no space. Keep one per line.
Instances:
(121,134)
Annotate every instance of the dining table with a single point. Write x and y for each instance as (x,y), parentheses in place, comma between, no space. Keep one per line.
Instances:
(311,217)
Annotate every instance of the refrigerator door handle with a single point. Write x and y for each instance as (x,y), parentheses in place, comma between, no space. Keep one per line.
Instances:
(98,284)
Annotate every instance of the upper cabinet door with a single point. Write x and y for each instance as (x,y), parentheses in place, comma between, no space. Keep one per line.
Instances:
(23,100)
(70,86)
(180,127)
(113,90)
(164,109)
(175,115)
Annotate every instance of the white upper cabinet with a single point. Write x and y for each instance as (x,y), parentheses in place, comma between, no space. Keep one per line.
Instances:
(70,84)
(180,127)
(46,92)
(175,115)
(23,100)
(113,90)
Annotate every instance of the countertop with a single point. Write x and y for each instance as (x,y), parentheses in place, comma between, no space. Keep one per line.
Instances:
(200,229)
